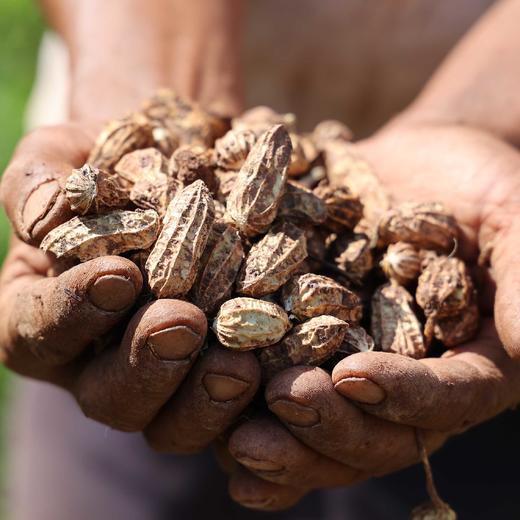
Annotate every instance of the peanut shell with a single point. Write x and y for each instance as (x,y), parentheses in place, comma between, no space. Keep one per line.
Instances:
(114,233)
(259,187)
(174,260)
(272,261)
(247,323)
(311,343)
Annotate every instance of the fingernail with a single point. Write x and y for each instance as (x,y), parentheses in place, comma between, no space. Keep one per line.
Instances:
(361,390)
(112,293)
(260,465)
(260,503)
(295,413)
(223,388)
(38,204)
(174,344)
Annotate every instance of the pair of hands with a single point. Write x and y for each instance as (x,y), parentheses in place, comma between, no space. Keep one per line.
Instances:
(322,431)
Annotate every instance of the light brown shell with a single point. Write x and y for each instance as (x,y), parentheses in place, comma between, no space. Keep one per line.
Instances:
(356,340)
(344,210)
(182,121)
(353,255)
(458,328)
(261,118)
(226,181)
(444,287)
(232,149)
(190,163)
(429,511)
(302,155)
(272,261)
(174,261)
(346,167)
(90,190)
(247,323)
(220,264)
(301,204)
(426,225)
(118,138)
(114,233)
(331,130)
(401,263)
(141,164)
(155,192)
(310,343)
(310,295)
(395,327)
(259,187)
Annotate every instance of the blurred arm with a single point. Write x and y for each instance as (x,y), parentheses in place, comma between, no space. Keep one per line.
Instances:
(478,83)
(121,50)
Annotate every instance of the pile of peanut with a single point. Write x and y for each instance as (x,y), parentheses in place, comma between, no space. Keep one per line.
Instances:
(287,241)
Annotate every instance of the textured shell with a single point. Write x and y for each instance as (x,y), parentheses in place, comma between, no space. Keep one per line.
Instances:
(345,167)
(459,328)
(344,209)
(141,164)
(353,255)
(259,187)
(119,138)
(303,153)
(220,263)
(191,163)
(331,130)
(261,118)
(395,328)
(81,188)
(155,192)
(301,204)
(429,511)
(356,340)
(226,181)
(246,323)
(444,287)
(232,149)
(115,233)
(401,263)
(310,343)
(310,295)
(272,261)
(173,263)
(90,190)
(426,225)
(182,121)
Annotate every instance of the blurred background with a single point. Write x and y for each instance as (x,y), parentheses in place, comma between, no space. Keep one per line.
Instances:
(21,31)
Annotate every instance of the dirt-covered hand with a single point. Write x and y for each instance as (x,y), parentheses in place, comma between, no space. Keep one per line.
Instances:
(72,329)
(328,430)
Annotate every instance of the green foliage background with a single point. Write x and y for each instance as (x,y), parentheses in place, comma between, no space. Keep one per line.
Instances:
(20,29)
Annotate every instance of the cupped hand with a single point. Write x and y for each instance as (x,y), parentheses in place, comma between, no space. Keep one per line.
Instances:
(328,430)
(155,379)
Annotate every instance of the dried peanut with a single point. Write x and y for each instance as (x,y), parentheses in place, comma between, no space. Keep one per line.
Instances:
(247,323)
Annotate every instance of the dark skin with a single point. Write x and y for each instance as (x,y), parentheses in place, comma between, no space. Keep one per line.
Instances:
(321,430)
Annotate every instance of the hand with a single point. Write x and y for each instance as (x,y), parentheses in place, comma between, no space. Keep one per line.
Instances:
(335,430)
(50,325)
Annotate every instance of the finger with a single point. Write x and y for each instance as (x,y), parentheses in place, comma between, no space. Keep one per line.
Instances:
(255,493)
(217,390)
(126,386)
(304,399)
(54,319)
(268,450)
(504,262)
(464,387)
(32,183)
